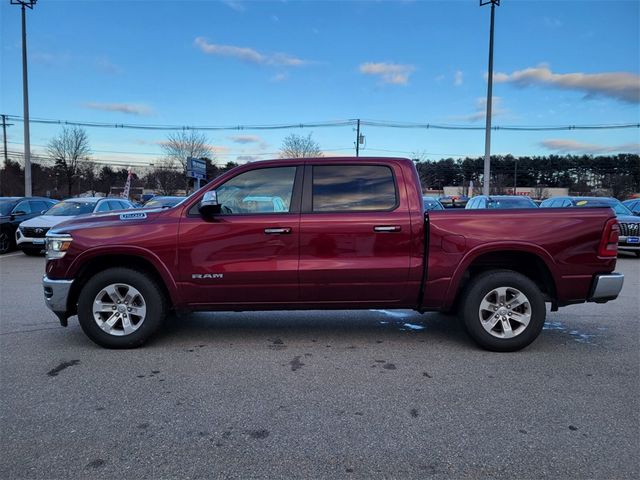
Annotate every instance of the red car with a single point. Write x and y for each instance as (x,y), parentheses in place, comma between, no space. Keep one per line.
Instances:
(353,235)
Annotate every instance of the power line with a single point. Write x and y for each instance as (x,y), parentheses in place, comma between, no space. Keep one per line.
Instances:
(329,124)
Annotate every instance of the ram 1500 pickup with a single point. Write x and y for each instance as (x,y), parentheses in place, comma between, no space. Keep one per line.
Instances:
(328,233)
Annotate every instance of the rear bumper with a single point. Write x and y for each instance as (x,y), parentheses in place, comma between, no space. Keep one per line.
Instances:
(606,287)
(56,295)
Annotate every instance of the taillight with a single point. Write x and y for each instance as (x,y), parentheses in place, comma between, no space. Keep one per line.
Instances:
(609,241)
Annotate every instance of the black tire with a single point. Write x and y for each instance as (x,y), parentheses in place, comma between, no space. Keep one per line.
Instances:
(6,241)
(484,287)
(153,298)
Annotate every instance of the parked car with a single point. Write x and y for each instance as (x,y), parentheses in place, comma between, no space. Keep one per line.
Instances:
(162,202)
(629,239)
(30,236)
(633,205)
(500,202)
(432,203)
(14,210)
(353,236)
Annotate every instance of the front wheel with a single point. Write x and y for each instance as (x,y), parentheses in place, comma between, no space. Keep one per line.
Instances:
(121,308)
(503,310)
(5,241)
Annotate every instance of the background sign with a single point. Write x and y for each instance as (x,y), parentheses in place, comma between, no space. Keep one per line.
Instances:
(196,168)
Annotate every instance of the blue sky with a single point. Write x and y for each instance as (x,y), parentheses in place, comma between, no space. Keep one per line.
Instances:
(242,63)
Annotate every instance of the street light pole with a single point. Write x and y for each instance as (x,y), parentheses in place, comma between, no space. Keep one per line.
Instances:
(25,95)
(487,138)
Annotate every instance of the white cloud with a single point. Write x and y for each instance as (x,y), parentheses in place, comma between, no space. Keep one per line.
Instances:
(107,66)
(235,5)
(619,85)
(128,108)
(393,73)
(248,54)
(458,78)
(244,139)
(279,77)
(481,110)
(573,146)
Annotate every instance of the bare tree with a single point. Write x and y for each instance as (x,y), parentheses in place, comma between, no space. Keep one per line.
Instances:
(68,150)
(165,178)
(298,146)
(182,145)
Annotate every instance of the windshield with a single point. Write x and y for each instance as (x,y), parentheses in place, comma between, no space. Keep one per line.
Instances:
(431,204)
(617,206)
(511,203)
(70,209)
(6,206)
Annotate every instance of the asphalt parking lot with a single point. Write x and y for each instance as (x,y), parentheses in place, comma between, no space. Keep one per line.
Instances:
(373,394)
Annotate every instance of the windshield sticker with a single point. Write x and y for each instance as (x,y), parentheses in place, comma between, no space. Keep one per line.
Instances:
(133,216)
(581,203)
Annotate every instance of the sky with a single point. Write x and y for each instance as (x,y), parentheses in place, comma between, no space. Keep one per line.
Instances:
(234,62)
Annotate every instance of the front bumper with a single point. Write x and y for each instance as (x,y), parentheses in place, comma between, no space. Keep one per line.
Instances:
(56,295)
(606,287)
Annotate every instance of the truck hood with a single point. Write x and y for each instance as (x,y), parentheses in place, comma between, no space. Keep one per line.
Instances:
(123,218)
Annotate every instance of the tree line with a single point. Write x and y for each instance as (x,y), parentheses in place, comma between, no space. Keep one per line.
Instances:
(68,169)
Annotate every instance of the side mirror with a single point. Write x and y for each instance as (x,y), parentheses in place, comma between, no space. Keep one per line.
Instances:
(209,205)
(18,213)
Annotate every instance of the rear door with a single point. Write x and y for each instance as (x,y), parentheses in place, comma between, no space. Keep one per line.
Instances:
(248,254)
(355,234)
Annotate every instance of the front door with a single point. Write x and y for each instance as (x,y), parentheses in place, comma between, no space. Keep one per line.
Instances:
(247,254)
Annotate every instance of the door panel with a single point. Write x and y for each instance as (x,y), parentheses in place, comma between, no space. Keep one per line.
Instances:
(248,254)
(356,256)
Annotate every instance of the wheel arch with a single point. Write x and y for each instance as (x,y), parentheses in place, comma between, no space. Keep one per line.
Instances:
(134,260)
(532,262)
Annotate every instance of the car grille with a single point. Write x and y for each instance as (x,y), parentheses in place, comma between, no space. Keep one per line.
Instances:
(630,229)
(34,232)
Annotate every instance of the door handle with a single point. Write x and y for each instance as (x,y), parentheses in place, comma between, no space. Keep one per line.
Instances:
(387,228)
(277,230)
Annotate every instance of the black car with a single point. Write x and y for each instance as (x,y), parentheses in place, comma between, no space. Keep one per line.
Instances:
(13,211)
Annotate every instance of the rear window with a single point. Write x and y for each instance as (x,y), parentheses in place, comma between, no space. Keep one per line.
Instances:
(348,188)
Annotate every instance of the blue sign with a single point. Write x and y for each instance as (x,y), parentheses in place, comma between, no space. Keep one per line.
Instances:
(196,168)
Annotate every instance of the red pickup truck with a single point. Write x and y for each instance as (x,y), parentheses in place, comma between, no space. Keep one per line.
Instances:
(328,233)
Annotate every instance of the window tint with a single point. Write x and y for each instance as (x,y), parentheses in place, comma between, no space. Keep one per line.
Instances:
(103,207)
(267,190)
(23,207)
(353,188)
(38,206)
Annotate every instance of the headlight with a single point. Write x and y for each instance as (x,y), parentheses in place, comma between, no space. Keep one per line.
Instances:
(57,246)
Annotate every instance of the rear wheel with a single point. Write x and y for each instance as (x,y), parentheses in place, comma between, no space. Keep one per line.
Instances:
(121,308)
(503,310)
(5,241)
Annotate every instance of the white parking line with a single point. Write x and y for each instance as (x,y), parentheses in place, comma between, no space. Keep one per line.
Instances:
(14,254)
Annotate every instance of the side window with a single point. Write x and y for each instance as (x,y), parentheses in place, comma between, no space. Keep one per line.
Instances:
(266,190)
(344,188)
(116,205)
(566,203)
(23,207)
(38,206)
(103,207)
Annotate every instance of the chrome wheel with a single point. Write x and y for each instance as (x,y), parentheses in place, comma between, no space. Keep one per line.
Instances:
(119,309)
(505,312)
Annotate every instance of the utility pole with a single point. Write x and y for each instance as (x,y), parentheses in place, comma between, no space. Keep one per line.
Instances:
(25,94)
(4,136)
(487,138)
(515,177)
(358,139)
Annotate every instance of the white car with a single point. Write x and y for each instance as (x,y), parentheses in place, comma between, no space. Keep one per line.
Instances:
(30,235)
